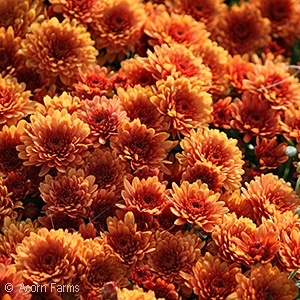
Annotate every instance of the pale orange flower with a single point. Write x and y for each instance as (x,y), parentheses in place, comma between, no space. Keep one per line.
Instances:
(142,146)
(265,281)
(57,49)
(222,113)
(212,278)
(241,29)
(185,105)
(291,124)
(215,147)
(57,140)
(135,294)
(196,204)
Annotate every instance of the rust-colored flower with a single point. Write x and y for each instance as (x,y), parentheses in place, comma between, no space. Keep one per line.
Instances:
(254,117)
(15,102)
(222,113)
(126,240)
(241,29)
(142,146)
(174,253)
(140,275)
(291,124)
(49,256)
(20,14)
(71,193)
(268,193)
(13,233)
(176,60)
(161,288)
(9,139)
(274,84)
(58,49)
(45,292)
(147,195)
(119,28)
(135,294)
(103,117)
(136,102)
(212,278)
(108,168)
(57,140)
(270,154)
(264,282)
(185,105)
(196,204)
(215,147)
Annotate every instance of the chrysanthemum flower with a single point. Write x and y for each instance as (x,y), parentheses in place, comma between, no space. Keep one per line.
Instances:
(49,256)
(291,124)
(146,194)
(103,117)
(172,28)
(274,84)
(20,14)
(215,147)
(58,49)
(184,104)
(13,233)
(15,101)
(56,140)
(9,139)
(196,204)
(100,264)
(176,60)
(135,294)
(108,169)
(222,113)
(126,240)
(141,146)
(161,288)
(136,102)
(119,28)
(284,16)
(18,184)
(254,117)
(212,278)
(241,29)
(174,253)
(264,282)
(269,193)
(270,154)
(71,192)
(46,292)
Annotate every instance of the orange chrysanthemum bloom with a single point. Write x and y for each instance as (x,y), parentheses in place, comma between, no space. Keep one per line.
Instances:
(291,124)
(215,147)
(49,256)
(119,28)
(10,277)
(11,59)
(100,264)
(19,14)
(103,117)
(146,195)
(270,154)
(161,288)
(264,282)
(196,204)
(58,49)
(108,169)
(136,102)
(223,235)
(58,140)
(212,278)
(274,84)
(135,294)
(174,253)
(284,16)
(71,193)
(222,113)
(268,193)
(184,104)
(13,233)
(9,139)
(241,29)
(254,117)
(126,240)
(142,146)
(176,60)
(172,28)
(15,101)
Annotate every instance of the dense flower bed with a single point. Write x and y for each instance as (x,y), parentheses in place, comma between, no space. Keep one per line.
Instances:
(149,149)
